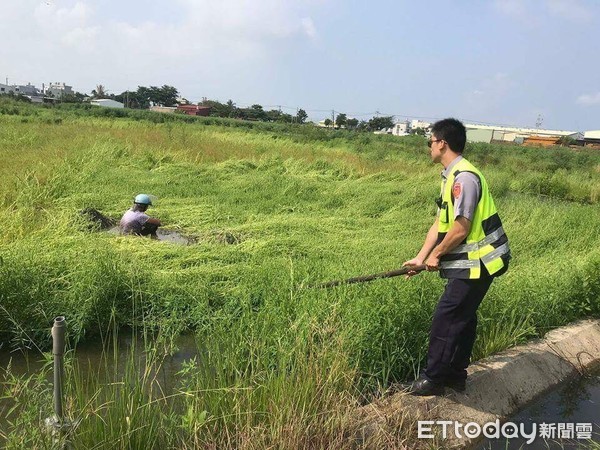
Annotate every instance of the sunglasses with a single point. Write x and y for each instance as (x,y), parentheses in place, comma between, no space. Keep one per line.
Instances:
(431,141)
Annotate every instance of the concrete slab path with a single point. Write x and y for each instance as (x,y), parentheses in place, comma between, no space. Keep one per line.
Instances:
(497,388)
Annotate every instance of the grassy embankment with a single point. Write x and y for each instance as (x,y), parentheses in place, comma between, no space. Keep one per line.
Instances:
(278,364)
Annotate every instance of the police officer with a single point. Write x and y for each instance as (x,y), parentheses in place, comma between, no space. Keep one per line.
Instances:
(468,246)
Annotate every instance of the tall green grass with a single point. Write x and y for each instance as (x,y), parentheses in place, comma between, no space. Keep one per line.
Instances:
(279,362)
(222,400)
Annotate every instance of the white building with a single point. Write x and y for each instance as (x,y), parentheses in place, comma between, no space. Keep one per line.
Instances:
(107,103)
(164,109)
(59,89)
(594,134)
(489,133)
(415,123)
(6,89)
(35,98)
(592,138)
(28,89)
(401,128)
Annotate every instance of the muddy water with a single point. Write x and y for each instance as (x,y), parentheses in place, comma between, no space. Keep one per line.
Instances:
(92,362)
(174,237)
(171,236)
(114,357)
(106,362)
(577,403)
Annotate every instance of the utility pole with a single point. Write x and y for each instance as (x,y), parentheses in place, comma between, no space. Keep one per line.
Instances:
(333,118)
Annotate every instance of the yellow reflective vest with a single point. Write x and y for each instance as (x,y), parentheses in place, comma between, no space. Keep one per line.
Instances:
(486,242)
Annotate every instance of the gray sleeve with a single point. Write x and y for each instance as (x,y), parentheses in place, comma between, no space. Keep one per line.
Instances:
(466,192)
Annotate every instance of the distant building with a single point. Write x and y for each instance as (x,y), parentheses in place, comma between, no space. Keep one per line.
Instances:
(401,128)
(6,89)
(489,133)
(384,131)
(479,135)
(59,89)
(541,141)
(592,139)
(415,123)
(107,103)
(164,109)
(27,89)
(194,110)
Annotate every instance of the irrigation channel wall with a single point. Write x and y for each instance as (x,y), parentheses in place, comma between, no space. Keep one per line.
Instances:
(497,387)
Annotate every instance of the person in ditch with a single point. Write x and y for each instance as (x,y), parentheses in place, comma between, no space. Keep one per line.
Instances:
(136,221)
(469,247)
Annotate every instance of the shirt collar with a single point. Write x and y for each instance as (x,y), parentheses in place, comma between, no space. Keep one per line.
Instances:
(448,169)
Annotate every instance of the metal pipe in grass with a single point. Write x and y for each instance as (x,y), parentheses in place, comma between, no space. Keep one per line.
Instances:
(58,425)
(366,278)
(58,351)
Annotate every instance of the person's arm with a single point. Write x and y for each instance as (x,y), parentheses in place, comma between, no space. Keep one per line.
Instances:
(457,233)
(426,249)
(153,221)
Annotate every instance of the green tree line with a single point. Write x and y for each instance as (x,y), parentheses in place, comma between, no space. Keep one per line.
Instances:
(144,97)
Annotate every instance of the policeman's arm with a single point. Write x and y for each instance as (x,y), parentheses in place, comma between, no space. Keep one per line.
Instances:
(456,234)
(428,245)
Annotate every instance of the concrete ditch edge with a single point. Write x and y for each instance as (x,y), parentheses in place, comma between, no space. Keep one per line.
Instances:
(498,386)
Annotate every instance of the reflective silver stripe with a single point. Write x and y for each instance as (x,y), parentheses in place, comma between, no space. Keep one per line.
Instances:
(460,264)
(465,248)
(492,237)
(496,253)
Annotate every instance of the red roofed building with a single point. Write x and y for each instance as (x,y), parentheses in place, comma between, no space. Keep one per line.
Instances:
(194,110)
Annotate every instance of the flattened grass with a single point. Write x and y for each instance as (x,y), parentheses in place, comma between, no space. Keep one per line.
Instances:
(302,209)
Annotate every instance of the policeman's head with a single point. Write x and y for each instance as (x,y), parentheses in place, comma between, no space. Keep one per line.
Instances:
(452,132)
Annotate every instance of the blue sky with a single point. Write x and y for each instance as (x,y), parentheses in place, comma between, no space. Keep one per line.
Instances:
(497,61)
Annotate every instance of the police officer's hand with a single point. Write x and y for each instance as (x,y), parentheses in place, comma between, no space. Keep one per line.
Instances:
(432,263)
(412,262)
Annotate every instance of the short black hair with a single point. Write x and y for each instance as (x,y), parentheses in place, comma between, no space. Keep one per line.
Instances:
(452,131)
(140,207)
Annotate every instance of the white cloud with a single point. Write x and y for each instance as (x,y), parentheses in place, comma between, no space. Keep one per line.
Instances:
(244,18)
(515,8)
(58,21)
(531,12)
(570,9)
(490,98)
(589,99)
(96,37)
(496,85)
(309,28)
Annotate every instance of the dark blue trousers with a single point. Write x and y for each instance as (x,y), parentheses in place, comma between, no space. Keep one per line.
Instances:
(453,329)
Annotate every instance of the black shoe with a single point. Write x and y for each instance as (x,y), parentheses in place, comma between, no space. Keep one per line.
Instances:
(457,385)
(423,386)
